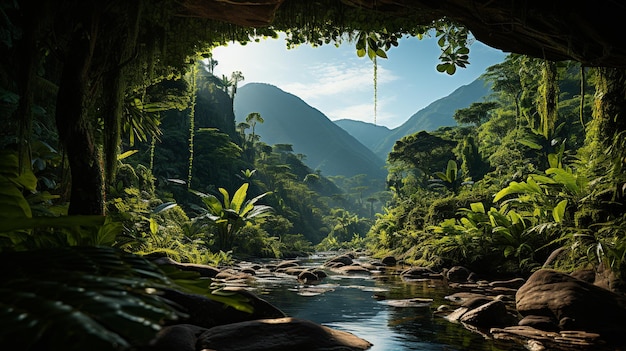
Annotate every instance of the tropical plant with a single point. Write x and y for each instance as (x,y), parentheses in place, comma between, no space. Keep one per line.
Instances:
(230,215)
(451,179)
(101,294)
(108,298)
(479,236)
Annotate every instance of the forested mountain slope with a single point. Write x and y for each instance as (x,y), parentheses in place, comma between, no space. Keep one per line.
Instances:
(289,120)
(437,114)
(367,133)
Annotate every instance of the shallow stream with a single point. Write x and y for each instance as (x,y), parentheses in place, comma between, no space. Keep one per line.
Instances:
(354,304)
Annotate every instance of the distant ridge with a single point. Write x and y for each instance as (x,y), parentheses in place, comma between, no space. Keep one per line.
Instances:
(438,114)
(366,133)
(289,120)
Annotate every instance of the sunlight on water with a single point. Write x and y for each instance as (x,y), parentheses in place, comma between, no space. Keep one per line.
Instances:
(390,313)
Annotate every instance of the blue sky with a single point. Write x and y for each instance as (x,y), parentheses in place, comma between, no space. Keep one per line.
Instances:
(340,84)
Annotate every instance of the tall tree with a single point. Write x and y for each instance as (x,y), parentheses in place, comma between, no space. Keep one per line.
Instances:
(477,113)
(252,119)
(235,78)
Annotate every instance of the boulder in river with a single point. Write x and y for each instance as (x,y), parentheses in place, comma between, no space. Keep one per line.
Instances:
(573,304)
(279,334)
(258,335)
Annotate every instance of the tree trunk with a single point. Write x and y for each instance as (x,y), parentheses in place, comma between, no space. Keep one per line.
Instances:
(87,191)
(610,108)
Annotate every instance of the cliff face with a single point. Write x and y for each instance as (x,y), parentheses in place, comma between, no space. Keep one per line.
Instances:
(557,30)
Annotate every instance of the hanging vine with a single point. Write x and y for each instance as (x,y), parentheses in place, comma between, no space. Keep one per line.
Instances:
(152,147)
(372,44)
(375,88)
(548,99)
(192,113)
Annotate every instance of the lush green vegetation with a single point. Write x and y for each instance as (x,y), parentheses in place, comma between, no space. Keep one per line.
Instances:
(119,145)
(522,181)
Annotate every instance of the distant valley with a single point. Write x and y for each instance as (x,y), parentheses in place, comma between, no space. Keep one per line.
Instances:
(438,114)
(289,120)
(344,147)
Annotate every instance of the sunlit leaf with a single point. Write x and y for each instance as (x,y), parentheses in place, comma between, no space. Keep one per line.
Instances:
(558,213)
(239,197)
(477,207)
(126,154)
(164,206)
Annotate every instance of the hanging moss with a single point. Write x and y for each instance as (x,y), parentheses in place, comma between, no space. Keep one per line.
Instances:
(548,99)
(192,113)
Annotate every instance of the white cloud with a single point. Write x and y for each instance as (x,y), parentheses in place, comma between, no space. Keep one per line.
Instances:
(341,85)
(338,79)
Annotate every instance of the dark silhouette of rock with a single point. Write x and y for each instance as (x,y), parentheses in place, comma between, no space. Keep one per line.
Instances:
(540,322)
(389,261)
(308,277)
(488,315)
(205,312)
(345,260)
(180,337)
(282,334)
(418,273)
(573,303)
(458,274)
(286,264)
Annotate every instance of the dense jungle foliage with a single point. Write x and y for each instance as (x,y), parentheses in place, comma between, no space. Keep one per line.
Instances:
(515,186)
(119,145)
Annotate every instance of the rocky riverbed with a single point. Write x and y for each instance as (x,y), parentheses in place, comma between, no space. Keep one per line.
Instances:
(550,310)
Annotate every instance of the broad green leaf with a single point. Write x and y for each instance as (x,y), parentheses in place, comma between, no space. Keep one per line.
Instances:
(513,188)
(249,205)
(515,218)
(239,197)
(259,211)
(553,160)
(164,206)
(213,205)
(12,203)
(226,196)
(542,179)
(558,213)
(451,69)
(531,144)
(451,171)
(568,179)
(477,207)
(233,299)
(441,176)
(126,154)
(508,251)
(108,233)
(498,219)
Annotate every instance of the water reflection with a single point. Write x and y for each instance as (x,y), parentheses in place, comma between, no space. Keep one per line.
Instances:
(348,303)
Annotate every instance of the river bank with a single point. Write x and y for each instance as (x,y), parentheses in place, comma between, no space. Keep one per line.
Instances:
(398,307)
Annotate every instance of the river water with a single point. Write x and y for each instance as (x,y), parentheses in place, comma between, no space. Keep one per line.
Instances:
(353,304)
